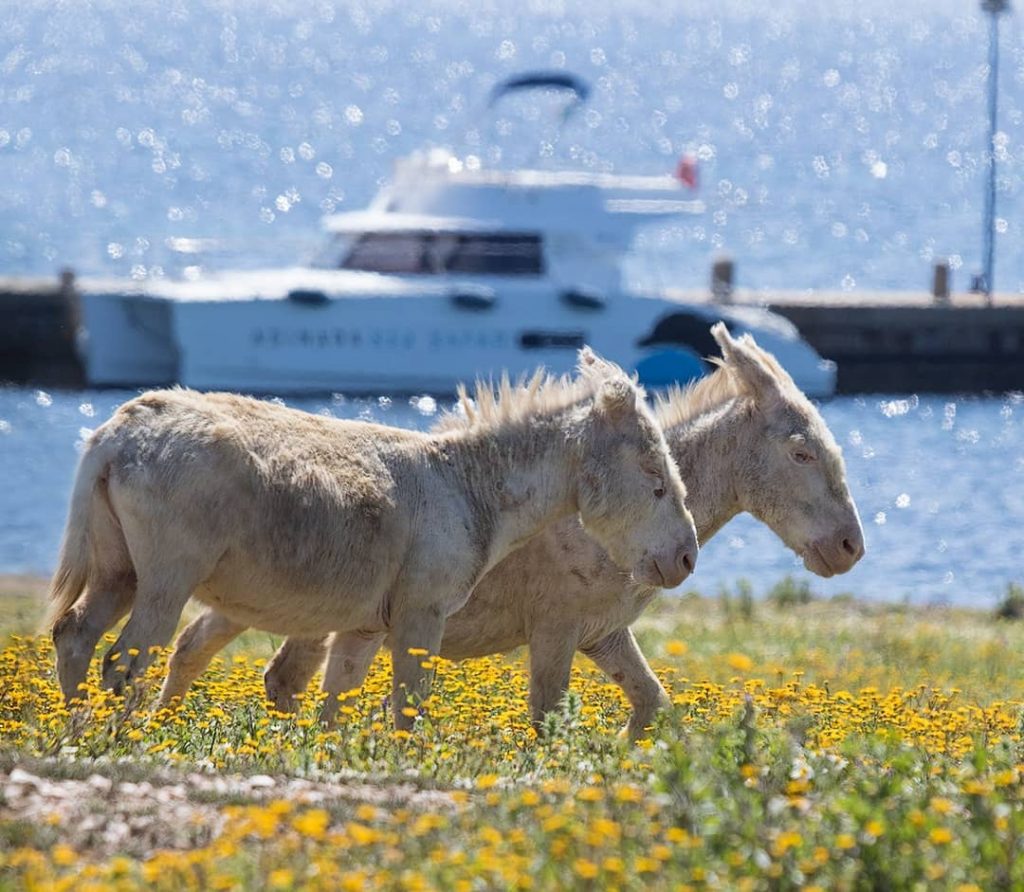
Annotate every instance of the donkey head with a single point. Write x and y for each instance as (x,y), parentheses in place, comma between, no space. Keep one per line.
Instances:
(630,496)
(792,476)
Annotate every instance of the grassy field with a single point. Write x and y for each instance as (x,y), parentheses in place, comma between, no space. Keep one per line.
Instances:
(811,744)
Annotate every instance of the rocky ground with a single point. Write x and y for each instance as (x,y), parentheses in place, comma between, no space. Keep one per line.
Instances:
(120,809)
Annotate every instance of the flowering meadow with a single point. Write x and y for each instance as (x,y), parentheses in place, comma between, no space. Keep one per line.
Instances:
(828,745)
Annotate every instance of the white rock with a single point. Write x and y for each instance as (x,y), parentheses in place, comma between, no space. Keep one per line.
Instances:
(22,778)
(100,783)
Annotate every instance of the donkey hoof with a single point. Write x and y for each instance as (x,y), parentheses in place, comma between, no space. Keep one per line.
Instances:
(116,673)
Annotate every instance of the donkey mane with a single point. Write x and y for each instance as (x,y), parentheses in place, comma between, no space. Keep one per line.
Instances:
(679,405)
(489,405)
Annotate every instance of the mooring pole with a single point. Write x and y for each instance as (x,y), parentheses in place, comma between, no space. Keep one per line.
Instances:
(985,282)
(721,280)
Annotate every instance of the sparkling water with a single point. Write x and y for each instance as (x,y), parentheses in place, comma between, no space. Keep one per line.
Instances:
(840,146)
(939,483)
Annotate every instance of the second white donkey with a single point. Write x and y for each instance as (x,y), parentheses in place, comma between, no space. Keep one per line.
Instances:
(744,438)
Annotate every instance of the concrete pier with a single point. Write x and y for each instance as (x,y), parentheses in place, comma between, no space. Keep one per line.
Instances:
(917,349)
(38,320)
(891,342)
(905,341)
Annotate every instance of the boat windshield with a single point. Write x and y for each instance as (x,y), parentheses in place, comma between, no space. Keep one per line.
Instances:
(436,253)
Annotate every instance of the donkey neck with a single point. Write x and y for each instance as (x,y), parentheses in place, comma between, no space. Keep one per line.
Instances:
(705,448)
(517,479)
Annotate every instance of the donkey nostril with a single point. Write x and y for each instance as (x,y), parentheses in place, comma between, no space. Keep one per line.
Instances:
(687,562)
(849,547)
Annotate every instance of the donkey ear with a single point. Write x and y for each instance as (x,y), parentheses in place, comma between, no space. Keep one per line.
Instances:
(595,367)
(617,398)
(720,333)
(742,359)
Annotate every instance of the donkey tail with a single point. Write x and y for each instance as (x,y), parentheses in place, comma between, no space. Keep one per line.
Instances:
(88,515)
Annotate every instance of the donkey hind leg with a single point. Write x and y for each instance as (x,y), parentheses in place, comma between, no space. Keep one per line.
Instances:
(620,657)
(419,629)
(291,669)
(77,633)
(551,652)
(348,661)
(197,644)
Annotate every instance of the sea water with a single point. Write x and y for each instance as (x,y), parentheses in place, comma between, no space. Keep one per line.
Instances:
(939,483)
(840,145)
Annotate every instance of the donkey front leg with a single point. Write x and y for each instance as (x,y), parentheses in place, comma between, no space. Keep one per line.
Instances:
(348,660)
(419,629)
(620,657)
(551,652)
(160,596)
(197,644)
(291,669)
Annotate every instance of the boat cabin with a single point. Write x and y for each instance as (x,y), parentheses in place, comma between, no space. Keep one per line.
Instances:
(440,216)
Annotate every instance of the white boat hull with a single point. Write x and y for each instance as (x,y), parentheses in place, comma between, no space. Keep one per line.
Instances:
(407,343)
(127,340)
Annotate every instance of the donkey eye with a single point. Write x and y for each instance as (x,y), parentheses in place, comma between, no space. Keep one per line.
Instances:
(802,456)
(659,492)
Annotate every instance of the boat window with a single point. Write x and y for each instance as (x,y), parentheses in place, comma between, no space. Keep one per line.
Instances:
(390,252)
(433,253)
(500,255)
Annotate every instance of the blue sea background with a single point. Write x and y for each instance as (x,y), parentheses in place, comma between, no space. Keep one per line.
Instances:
(840,147)
(939,483)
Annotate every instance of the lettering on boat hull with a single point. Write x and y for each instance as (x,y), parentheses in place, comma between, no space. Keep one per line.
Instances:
(386,338)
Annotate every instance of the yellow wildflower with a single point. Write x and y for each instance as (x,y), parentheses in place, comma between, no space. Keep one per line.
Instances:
(63,855)
(281,879)
(584,868)
(312,823)
(740,662)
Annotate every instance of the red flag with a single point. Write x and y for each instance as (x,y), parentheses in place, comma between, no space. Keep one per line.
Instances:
(686,170)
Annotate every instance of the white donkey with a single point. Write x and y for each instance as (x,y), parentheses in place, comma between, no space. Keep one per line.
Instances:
(745,439)
(297,524)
